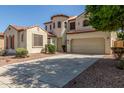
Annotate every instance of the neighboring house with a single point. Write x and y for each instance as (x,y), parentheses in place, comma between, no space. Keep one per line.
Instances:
(32,38)
(78,36)
(1,41)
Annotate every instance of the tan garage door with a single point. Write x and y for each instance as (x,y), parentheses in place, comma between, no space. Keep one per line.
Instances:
(88,46)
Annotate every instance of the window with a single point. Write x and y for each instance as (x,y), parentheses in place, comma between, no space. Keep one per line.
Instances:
(59,24)
(37,40)
(65,24)
(53,25)
(85,23)
(9,28)
(45,27)
(50,27)
(72,25)
(22,37)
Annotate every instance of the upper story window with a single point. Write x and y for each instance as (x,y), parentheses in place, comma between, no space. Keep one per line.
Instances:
(85,23)
(50,27)
(22,37)
(53,25)
(65,24)
(59,24)
(72,25)
(45,27)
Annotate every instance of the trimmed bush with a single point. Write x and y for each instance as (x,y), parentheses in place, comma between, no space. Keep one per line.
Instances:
(21,52)
(51,48)
(2,52)
(120,64)
(118,52)
(120,35)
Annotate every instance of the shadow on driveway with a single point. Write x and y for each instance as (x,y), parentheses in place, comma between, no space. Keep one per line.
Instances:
(48,73)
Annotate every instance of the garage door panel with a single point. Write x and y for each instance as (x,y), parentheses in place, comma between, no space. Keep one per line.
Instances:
(88,45)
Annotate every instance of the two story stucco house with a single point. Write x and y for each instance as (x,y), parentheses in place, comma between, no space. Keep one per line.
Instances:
(78,36)
(73,32)
(33,38)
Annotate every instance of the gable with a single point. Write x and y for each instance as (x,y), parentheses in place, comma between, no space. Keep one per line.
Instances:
(37,30)
(10,30)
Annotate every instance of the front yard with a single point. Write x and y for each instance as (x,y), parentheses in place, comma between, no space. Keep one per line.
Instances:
(4,60)
(103,74)
(59,70)
(55,71)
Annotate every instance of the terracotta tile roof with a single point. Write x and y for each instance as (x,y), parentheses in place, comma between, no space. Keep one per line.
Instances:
(22,28)
(1,34)
(50,34)
(81,31)
(63,15)
(72,18)
(48,22)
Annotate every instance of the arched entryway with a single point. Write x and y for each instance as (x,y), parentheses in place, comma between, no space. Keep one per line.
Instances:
(10,41)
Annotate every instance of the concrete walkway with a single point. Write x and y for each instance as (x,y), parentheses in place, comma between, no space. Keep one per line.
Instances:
(46,72)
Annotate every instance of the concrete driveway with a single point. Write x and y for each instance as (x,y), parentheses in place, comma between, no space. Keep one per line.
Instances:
(55,71)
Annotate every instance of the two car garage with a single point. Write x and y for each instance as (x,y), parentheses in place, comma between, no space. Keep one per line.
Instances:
(88,46)
(89,42)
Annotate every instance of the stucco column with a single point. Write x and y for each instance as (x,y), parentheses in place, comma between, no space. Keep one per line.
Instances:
(69,45)
(107,45)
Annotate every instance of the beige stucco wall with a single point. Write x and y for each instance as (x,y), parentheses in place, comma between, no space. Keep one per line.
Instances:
(29,44)
(105,35)
(22,44)
(48,27)
(11,32)
(1,42)
(59,31)
(113,38)
(79,23)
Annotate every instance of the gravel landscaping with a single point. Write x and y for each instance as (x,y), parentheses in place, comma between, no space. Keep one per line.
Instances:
(103,74)
(4,60)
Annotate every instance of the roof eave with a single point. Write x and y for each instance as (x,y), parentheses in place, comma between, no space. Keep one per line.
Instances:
(81,32)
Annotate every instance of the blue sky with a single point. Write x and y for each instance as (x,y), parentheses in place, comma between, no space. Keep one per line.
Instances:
(34,15)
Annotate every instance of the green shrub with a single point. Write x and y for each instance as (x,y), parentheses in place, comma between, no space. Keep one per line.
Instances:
(118,52)
(120,35)
(2,52)
(120,64)
(51,48)
(21,52)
